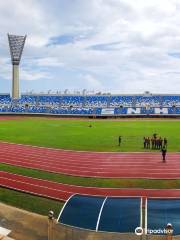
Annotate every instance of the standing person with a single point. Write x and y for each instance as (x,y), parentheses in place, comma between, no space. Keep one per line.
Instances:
(164,151)
(155,135)
(148,143)
(165,142)
(155,140)
(144,142)
(160,143)
(152,142)
(119,140)
(156,143)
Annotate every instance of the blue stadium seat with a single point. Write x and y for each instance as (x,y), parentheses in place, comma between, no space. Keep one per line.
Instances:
(91,104)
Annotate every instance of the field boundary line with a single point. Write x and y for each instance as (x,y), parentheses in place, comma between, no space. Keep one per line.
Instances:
(83,151)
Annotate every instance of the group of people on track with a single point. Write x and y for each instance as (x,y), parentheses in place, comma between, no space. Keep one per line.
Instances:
(154,142)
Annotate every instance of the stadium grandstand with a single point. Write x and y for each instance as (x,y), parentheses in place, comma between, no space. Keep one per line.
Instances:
(92,105)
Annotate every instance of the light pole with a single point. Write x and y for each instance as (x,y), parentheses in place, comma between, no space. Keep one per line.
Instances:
(16,44)
(50,225)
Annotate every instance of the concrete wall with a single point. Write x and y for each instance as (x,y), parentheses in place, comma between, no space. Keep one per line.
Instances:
(24,225)
(61,232)
(160,238)
(30,226)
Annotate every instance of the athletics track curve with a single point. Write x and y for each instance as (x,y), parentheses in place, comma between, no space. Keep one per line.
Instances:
(62,192)
(91,164)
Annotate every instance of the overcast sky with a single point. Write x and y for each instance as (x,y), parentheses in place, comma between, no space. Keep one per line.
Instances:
(118,46)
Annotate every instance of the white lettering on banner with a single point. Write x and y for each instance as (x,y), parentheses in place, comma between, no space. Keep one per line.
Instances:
(161,110)
(134,110)
(107,111)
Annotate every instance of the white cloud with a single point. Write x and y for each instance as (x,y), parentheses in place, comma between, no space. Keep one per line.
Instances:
(91,82)
(32,75)
(48,62)
(145,33)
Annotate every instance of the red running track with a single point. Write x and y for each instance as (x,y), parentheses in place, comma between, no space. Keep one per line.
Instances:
(91,164)
(62,192)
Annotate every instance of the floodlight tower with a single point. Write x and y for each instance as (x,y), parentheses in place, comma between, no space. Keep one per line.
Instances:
(16,44)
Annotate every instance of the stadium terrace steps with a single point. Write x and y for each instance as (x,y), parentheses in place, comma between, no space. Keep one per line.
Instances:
(92,104)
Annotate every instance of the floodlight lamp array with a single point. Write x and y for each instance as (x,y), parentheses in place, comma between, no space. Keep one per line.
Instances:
(16,44)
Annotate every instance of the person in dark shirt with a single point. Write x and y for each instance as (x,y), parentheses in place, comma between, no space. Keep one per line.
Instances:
(119,140)
(148,143)
(152,142)
(156,143)
(155,135)
(160,143)
(165,142)
(164,151)
(145,142)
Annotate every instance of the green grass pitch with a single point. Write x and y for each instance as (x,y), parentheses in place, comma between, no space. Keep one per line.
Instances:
(77,135)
